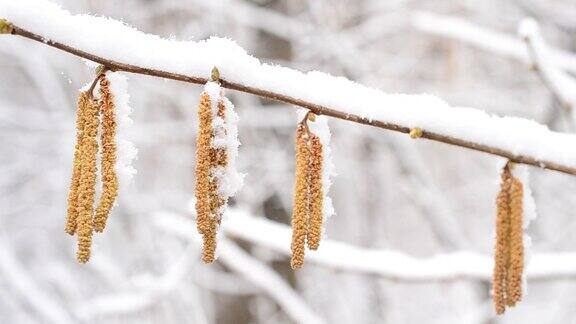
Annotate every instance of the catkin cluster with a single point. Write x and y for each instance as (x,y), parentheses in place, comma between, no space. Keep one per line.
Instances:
(209,159)
(308,195)
(509,250)
(82,219)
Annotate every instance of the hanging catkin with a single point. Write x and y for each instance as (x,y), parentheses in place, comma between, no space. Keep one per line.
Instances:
(501,255)
(300,212)
(82,216)
(72,214)
(509,251)
(108,156)
(218,160)
(87,183)
(514,280)
(216,150)
(205,190)
(316,196)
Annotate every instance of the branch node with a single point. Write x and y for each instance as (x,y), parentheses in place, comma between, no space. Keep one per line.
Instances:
(215,75)
(415,133)
(6,27)
(311,116)
(100,69)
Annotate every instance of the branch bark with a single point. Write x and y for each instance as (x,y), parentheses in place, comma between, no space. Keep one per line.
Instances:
(317,109)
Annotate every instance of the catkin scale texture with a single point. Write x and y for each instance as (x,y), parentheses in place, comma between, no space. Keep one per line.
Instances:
(203,164)
(87,185)
(300,209)
(509,250)
(108,156)
(72,213)
(316,196)
(516,267)
(209,160)
(501,253)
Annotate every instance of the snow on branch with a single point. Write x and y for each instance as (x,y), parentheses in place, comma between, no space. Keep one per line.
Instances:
(123,48)
(506,45)
(384,263)
(245,265)
(562,85)
(22,284)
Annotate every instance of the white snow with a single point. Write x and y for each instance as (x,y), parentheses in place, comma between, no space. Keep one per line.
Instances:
(563,86)
(459,29)
(239,261)
(381,262)
(126,152)
(320,128)
(117,41)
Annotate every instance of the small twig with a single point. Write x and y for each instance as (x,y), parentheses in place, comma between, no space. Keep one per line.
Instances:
(304,122)
(545,73)
(100,72)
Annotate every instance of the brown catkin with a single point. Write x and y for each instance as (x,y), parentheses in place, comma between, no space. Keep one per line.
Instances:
(203,165)
(87,183)
(316,196)
(218,160)
(209,204)
(300,208)
(108,157)
(72,214)
(502,249)
(516,267)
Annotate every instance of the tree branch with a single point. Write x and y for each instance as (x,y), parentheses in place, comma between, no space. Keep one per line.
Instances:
(317,109)
(389,264)
(560,84)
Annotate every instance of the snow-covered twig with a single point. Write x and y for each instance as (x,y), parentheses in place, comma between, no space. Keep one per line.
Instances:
(384,263)
(390,263)
(562,86)
(144,296)
(15,275)
(251,269)
(105,41)
(506,45)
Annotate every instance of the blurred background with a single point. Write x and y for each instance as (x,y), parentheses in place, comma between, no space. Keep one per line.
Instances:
(418,198)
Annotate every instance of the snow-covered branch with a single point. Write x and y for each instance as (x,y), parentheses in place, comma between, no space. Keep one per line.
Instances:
(467,32)
(562,85)
(253,270)
(123,48)
(17,279)
(385,263)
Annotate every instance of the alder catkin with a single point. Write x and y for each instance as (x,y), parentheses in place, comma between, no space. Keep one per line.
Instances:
(502,249)
(516,265)
(87,183)
(316,196)
(203,164)
(72,213)
(218,160)
(300,208)
(209,160)
(108,156)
